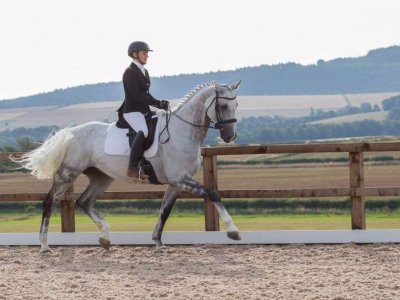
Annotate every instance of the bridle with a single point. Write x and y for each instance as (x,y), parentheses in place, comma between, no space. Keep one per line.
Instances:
(216,125)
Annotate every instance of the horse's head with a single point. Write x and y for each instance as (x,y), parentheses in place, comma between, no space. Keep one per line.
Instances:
(222,110)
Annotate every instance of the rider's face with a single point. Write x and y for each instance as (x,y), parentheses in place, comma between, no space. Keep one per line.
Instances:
(142,56)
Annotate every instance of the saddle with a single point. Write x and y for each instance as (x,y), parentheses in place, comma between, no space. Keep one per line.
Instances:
(119,140)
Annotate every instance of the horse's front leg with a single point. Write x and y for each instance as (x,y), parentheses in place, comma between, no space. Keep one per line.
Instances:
(192,186)
(168,202)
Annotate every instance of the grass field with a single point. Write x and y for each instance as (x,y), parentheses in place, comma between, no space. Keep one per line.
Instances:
(195,222)
(229,177)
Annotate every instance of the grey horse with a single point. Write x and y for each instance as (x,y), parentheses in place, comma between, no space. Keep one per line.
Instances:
(80,149)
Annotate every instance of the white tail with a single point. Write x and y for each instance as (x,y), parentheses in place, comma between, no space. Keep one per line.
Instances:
(44,161)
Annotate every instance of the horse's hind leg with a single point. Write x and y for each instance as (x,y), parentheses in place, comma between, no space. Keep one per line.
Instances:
(98,183)
(61,181)
(192,186)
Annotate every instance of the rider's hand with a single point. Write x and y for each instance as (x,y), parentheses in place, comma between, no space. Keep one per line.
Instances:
(164,104)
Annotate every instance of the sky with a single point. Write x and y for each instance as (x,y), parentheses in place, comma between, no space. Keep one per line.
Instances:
(52,44)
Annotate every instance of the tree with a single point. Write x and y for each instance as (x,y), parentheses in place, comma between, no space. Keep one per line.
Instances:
(394,114)
(391,102)
(376,108)
(366,107)
(26,144)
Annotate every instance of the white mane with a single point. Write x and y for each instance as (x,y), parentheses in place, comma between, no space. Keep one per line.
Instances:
(191,94)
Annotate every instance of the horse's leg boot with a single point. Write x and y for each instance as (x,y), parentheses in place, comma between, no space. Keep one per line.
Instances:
(137,150)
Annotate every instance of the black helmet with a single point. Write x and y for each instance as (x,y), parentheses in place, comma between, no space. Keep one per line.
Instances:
(138,46)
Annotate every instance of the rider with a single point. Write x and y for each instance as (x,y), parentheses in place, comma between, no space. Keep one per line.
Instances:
(135,107)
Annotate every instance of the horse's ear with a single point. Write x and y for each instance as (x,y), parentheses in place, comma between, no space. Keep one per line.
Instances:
(235,86)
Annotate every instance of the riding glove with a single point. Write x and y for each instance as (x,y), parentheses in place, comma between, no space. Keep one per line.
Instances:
(164,104)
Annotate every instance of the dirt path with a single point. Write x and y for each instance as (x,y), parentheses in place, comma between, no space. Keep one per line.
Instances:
(202,272)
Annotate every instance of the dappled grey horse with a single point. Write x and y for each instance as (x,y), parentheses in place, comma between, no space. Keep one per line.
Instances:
(80,149)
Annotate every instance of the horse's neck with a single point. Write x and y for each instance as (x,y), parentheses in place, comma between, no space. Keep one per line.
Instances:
(194,111)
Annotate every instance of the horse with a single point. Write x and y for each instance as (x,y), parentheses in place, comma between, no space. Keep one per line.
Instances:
(72,151)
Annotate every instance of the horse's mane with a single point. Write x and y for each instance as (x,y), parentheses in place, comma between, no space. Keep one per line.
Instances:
(191,94)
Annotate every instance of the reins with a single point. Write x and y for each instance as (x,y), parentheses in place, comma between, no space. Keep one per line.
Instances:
(217,125)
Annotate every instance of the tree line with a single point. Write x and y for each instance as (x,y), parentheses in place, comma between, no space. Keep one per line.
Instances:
(274,206)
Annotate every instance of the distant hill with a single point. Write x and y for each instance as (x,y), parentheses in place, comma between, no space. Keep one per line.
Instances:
(249,106)
(376,72)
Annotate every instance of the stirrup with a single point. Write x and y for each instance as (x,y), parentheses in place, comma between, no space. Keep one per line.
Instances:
(133,172)
(142,175)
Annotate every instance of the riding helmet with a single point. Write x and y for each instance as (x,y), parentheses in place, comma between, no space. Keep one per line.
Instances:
(138,46)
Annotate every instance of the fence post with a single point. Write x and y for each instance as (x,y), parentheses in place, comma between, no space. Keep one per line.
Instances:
(210,180)
(356,164)
(67,207)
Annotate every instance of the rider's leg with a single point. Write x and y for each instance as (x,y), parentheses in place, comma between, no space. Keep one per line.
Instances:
(138,123)
(137,150)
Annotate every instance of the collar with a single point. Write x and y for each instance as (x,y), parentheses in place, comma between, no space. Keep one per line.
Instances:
(140,66)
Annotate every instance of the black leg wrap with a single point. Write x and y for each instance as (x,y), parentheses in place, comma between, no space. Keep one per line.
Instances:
(192,186)
(212,195)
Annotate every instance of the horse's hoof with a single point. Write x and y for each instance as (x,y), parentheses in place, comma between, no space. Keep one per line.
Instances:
(161,248)
(45,249)
(234,235)
(105,243)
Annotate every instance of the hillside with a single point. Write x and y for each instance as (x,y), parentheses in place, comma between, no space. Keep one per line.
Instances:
(249,106)
(378,116)
(376,72)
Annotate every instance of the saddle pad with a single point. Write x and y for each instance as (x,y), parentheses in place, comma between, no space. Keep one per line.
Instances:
(117,142)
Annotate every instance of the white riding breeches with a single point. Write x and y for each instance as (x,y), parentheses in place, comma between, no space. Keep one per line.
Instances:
(137,121)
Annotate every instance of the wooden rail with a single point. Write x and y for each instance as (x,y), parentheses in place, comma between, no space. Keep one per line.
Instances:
(356,190)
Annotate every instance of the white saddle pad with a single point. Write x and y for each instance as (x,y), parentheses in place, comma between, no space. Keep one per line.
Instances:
(117,142)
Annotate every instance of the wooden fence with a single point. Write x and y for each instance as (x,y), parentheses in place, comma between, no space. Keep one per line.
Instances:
(356,189)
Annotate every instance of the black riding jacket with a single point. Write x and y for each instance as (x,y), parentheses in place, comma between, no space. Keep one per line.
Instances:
(137,96)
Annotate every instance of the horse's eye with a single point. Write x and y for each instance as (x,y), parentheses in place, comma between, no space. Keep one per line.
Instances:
(224,106)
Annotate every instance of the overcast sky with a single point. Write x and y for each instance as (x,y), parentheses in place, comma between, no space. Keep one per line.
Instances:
(50,44)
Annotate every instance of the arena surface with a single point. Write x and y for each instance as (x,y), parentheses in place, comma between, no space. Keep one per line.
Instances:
(348,271)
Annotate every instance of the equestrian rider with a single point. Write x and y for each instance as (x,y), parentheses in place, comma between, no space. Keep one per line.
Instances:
(136,81)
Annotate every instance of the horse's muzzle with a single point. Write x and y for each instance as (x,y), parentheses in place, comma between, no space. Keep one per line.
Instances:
(228,138)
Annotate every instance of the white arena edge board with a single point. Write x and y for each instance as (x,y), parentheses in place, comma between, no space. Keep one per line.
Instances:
(192,238)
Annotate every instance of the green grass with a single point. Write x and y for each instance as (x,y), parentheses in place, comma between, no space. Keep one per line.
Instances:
(195,222)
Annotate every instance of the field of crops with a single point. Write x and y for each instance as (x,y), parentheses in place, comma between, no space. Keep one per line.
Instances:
(284,176)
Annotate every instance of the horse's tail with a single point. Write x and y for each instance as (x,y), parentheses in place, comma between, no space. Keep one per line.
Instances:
(45,161)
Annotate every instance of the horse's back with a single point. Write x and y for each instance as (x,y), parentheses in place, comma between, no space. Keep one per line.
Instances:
(89,127)
(88,143)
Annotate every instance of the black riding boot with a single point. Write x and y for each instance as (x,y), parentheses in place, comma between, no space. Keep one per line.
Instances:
(137,150)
